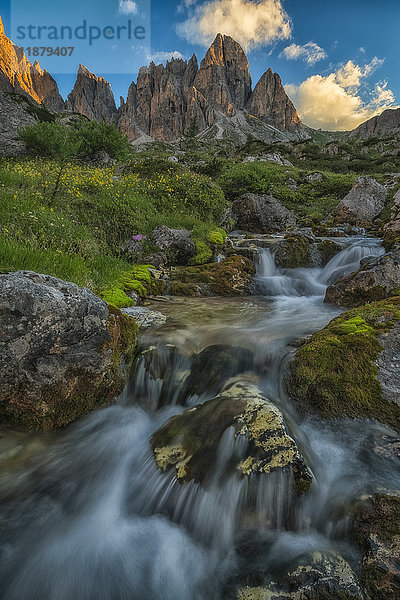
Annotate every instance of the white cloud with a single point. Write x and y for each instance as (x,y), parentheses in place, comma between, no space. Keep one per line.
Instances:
(249,23)
(127,7)
(349,76)
(162,57)
(334,102)
(310,52)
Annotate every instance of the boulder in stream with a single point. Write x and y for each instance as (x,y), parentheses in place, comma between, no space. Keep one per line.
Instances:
(376,530)
(63,351)
(230,277)
(376,280)
(262,214)
(314,576)
(212,367)
(350,369)
(188,443)
(363,204)
(300,250)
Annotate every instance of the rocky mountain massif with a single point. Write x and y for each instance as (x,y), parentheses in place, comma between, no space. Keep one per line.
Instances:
(18,75)
(388,123)
(167,102)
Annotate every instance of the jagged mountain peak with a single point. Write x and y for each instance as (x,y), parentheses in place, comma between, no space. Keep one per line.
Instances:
(168,101)
(223,52)
(19,75)
(92,96)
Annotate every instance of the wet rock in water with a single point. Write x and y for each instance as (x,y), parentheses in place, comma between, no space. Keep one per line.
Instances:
(262,214)
(145,317)
(213,366)
(64,351)
(350,368)
(299,250)
(230,277)
(315,576)
(363,203)
(189,442)
(376,530)
(376,280)
(177,244)
(157,375)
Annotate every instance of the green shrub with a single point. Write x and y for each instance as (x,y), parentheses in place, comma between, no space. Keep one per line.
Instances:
(82,140)
(51,139)
(95,137)
(217,237)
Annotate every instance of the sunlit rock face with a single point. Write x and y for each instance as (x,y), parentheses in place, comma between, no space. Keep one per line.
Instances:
(179,99)
(92,97)
(270,103)
(18,75)
(224,77)
(172,101)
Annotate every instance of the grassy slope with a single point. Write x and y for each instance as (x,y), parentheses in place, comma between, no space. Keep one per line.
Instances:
(76,234)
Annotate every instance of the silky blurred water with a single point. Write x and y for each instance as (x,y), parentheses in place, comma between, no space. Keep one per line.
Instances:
(86,515)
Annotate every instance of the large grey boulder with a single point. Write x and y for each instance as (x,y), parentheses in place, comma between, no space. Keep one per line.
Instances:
(393,225)
(262,214)
(63,351)
(363,204)
(376,280)
(177,244)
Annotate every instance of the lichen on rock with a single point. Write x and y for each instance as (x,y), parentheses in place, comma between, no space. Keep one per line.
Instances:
(63,353)
(315,575)
(189,441)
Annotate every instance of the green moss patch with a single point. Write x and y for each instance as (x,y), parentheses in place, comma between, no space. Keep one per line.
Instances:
(230,277)
(334,374)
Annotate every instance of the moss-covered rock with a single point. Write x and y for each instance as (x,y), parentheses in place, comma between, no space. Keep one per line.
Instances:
(139,281)
(230,277)
(376,280)
(63,351)
(376,530)
(316,576)
(292,252)
(189,442)
(212,367)
(335,374)
(300,250)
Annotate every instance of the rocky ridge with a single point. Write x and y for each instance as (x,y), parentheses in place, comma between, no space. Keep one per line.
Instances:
(167,102)
(18,75)
(385,124)
(92,96)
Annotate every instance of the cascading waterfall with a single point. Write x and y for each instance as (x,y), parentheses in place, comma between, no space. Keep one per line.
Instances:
(272,281)
(91,517)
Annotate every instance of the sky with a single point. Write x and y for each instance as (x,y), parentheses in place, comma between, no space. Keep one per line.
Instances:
(338,59)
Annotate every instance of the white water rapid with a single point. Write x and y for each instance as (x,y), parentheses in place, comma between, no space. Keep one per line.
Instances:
(86,515)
